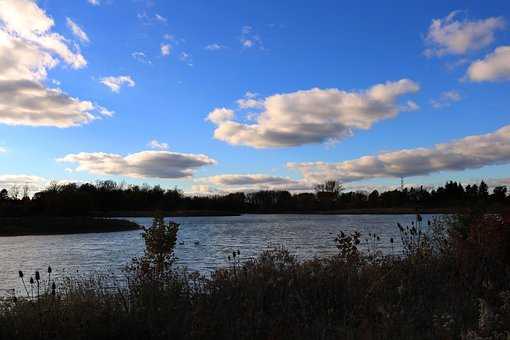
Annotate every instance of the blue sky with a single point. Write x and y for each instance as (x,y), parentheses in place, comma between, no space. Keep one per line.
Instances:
(217,52)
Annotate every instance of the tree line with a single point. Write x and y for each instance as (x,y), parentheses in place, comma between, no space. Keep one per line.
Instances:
(105,197)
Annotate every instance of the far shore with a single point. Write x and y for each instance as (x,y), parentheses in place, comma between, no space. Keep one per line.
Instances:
(220,213)
(45,225)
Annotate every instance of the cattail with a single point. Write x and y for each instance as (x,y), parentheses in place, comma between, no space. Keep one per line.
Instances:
(20,273)
(53,288)
(238,252)
(37,275)
(49,269)
(228,258)
(391,239)
(234,254)
(31,280)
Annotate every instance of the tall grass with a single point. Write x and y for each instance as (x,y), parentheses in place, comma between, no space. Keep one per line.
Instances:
(449,283)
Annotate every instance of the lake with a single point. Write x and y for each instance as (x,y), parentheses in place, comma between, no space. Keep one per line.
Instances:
(203,243)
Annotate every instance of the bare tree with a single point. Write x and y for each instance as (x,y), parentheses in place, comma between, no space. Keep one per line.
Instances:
(330,186)
(26,190)
(14,192)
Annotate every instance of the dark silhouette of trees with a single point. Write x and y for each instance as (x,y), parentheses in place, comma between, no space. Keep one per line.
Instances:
(111,198)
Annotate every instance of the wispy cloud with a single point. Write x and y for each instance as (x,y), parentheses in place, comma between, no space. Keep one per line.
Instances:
(186,58)
(160,18)
(116,83)
(141,57)
(77,31)
(157,145)
(215,47)
(446,99)
(249,39)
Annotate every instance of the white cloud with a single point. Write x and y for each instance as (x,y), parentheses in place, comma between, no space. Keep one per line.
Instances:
(154,144)
(28,49)
(104,111)
(409,106)
(250,39)
(77,30)
(214,47)
(94,2)
(141,57)
(116,83)
(165,49)
(446,99)
(26,102)
(144,164)
(453,36)
(312,116)
(250,101)
(34,183)
(494,67)
(248,182)
(220,115)
(186,58)
(466,153)
(160,18)
(24,20)
(3,149)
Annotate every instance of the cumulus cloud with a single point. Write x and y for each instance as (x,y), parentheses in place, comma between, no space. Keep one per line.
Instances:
(28,49)
(452,35)
(144,164)
(77,30)
(33,183)
(2,150)
(94,2)
(446,98)
(494,67)
(27,102)
(466,153)
(165,49)
(312,116)
(154,144)
(116,83)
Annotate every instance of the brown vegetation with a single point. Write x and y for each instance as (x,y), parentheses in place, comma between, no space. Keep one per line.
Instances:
(450,282)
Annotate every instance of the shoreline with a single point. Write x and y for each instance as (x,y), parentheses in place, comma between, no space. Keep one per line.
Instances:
(213,213)
(44,225)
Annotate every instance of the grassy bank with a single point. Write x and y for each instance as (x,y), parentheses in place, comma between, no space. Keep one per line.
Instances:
(40,225)
(451,283)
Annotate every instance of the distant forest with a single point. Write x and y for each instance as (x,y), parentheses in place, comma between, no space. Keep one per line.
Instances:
(108,197)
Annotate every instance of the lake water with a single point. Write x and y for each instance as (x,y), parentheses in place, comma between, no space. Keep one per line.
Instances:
(204,243)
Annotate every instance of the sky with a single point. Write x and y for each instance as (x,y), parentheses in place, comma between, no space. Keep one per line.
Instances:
(222,96)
